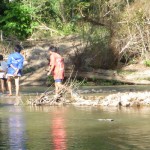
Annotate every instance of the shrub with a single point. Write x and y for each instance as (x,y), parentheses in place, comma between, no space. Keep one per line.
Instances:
(147,63)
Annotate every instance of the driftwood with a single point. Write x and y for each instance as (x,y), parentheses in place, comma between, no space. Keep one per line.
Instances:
(64,96)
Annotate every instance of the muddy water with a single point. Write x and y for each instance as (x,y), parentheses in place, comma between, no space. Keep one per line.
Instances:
(72,128)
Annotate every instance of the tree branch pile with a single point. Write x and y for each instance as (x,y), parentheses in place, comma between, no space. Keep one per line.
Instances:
(64,97)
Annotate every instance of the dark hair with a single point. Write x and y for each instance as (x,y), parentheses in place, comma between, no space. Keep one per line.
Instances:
(1,57)
(52,48)
(18,48)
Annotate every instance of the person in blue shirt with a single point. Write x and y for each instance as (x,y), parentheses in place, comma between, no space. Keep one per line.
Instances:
(15,66)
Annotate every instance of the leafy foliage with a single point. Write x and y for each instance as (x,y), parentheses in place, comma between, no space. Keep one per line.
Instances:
(132,32)
(147,63)
(17,20)
(119,26)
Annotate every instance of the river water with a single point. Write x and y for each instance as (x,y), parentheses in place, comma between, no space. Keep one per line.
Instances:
(72,128)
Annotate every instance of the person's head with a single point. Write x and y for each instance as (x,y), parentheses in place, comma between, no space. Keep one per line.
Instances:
(1,57)
(18,48)
(52,49)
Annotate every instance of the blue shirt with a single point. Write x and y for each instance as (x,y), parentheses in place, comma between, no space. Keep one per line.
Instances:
(15,59)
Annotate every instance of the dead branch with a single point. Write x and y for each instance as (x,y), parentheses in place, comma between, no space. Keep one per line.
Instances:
(48,98)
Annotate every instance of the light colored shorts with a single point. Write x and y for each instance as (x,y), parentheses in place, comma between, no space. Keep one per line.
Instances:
(11,75)
(2,75)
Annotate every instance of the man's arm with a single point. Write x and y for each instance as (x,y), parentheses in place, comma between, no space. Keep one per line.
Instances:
(52,65)
(9,62)
(20,66)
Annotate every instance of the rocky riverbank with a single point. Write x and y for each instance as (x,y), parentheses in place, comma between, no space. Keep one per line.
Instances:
(135,74)
(93,97)
(127,99)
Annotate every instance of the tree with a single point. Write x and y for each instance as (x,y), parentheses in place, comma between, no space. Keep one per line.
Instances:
(17,20)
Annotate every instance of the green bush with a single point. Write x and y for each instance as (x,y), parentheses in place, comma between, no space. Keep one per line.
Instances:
(50,80)
(147,63)
(17,20)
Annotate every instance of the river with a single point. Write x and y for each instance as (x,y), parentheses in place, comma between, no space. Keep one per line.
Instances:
(72,128)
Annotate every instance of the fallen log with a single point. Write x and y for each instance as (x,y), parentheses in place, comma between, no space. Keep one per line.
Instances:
(107,75)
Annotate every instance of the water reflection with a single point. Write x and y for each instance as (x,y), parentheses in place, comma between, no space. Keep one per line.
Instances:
(53,129)
(16,129)
(73,128)
(58,129)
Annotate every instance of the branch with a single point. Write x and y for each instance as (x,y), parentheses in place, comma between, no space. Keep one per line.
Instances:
(126,46)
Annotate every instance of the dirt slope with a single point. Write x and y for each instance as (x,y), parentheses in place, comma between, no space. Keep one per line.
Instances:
(36,63)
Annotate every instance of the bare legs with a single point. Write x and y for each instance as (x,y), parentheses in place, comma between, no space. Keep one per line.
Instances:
(17,85)
(9,85)
(58,87)
(9,82)
(3,85)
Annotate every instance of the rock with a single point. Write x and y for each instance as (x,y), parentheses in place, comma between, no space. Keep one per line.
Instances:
(105,120)
(127,99)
